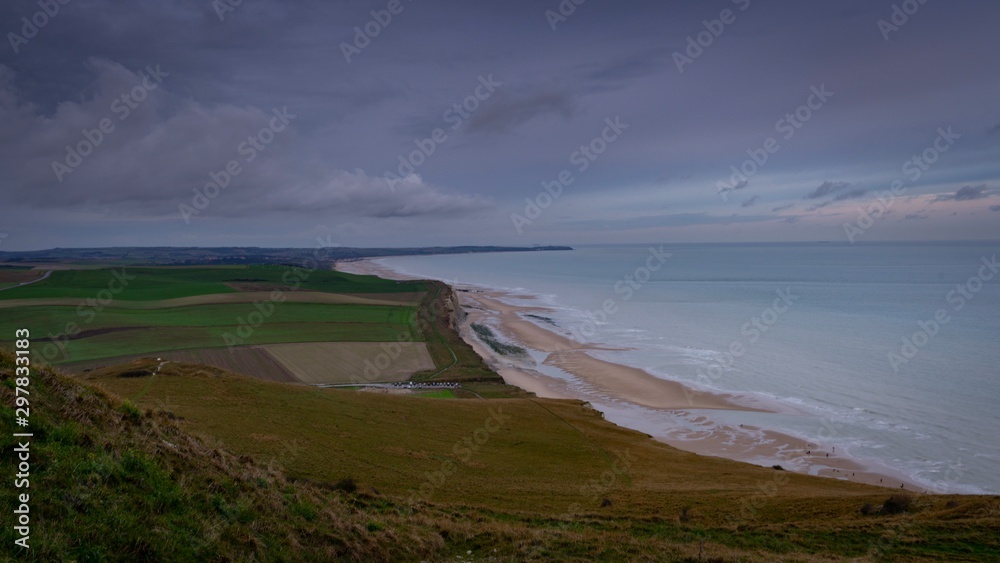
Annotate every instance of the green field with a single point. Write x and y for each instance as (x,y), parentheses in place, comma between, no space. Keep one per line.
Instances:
(171,309)
(152,284)
(436,394)
(152,340)
(100,328)
(123,332)
(53,319)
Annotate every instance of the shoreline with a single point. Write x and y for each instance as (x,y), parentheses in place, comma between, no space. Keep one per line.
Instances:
(628,394)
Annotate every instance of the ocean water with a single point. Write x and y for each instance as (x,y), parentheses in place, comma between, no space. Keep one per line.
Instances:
(889,352)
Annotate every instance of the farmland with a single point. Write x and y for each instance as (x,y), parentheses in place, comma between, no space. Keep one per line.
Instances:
(121,332)
(13,275)
(276,323)
(150,284)
(87,318)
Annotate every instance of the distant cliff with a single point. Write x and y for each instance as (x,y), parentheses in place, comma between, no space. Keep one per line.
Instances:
(190,256)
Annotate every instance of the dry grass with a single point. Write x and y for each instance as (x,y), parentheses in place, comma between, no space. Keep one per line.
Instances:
(247,360)
(10,276)
(123,483)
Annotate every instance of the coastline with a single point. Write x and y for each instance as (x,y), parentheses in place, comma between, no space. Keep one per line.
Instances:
(568,369)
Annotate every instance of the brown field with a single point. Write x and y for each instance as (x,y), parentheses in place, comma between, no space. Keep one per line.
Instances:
(248,360)
(260,286)
(244,297)
(43,266)
(307,362)
(406,298)
(343,362)
(14,277)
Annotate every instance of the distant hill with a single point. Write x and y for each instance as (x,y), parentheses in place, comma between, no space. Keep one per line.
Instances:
(194,256)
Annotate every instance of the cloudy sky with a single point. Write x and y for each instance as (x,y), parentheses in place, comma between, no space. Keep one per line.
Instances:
(273,122)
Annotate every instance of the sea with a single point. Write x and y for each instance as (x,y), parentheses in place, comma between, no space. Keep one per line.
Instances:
(890,352)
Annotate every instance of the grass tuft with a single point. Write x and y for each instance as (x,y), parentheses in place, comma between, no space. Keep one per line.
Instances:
(897,504)
(347,485)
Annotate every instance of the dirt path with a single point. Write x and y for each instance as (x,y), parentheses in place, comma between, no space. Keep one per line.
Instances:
(47,274)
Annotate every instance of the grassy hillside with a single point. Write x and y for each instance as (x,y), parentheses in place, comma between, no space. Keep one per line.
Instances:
(115,481)
(109,482)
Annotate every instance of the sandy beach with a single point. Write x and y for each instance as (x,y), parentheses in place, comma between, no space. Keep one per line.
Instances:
(599,381)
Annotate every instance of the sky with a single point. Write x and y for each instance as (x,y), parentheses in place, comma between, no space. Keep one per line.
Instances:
(422,122)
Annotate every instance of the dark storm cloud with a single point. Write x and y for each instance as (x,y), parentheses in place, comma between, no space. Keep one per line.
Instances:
(750,202)
(354,120)
(966,193)
(154,153)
